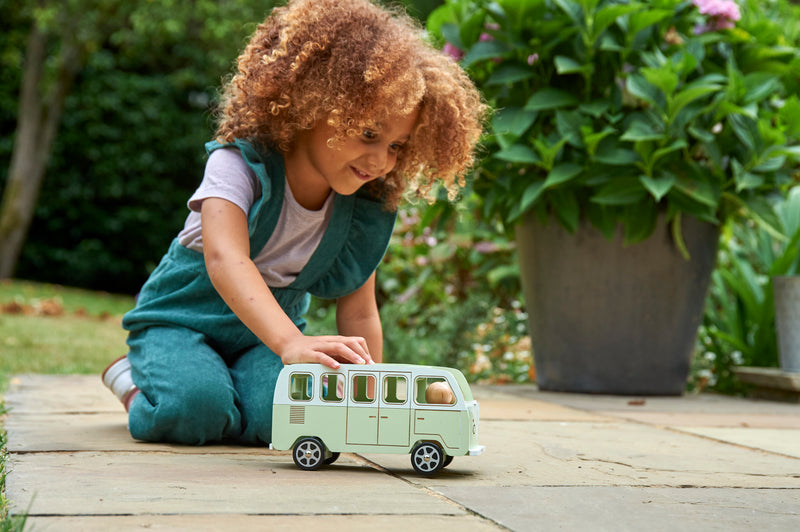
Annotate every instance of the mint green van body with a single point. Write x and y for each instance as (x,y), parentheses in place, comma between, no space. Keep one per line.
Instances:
(379,408)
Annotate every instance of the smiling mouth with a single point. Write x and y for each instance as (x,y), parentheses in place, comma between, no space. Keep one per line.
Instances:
(361,175)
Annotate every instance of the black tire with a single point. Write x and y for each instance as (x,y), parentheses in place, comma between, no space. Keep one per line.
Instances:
(332,458)
(427,458)
(309,454)
(447,460)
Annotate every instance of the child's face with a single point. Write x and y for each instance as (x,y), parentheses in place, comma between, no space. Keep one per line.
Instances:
(355,161)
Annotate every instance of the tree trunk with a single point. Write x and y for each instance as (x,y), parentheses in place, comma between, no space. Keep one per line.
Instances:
(38,117)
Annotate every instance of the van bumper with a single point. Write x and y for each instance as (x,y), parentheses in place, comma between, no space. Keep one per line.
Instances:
(477,450)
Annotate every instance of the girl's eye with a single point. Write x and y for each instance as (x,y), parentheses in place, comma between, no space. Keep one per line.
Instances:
(369,134)
(396,147)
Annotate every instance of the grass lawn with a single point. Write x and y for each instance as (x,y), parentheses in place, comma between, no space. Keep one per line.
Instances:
(73,300)
(52,329)
(65,344)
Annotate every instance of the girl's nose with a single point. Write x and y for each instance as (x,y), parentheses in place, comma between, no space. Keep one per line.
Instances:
(379,160)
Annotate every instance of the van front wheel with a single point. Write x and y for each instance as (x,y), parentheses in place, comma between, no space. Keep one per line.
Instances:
(427,458)
(309,454)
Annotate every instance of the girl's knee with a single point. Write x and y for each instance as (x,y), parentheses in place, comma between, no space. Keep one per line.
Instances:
(254,376)
(192,416)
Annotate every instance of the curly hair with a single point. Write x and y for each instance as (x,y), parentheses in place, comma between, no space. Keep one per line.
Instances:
(353,64)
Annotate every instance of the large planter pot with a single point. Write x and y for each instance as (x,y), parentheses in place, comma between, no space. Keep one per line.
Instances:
(787,321)
(609,318)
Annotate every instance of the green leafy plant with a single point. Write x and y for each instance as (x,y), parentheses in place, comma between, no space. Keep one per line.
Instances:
(617,111)
(450,297)
(449,294)
(739,321)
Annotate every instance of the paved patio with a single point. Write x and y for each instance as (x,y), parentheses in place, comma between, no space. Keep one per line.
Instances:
(553,462)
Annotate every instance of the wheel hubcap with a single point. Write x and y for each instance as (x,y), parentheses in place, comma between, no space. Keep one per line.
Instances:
(308,454)
(427,458)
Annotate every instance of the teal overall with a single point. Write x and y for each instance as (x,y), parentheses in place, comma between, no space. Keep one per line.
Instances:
(203,375)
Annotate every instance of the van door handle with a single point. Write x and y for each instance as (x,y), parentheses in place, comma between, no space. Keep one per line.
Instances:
(384,417)
(372,417)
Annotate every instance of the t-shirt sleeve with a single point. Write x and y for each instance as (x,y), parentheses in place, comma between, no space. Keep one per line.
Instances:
(227,176)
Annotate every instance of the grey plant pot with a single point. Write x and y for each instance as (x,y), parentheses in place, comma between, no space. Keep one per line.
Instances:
(786,290)
(614,319)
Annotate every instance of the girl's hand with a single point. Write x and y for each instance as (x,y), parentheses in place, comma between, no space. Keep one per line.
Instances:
(327,350)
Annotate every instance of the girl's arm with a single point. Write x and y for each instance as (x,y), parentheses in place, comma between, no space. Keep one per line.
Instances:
(226,248)
(357,314)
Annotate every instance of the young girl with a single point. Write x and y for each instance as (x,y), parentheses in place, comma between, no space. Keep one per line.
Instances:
(337,108)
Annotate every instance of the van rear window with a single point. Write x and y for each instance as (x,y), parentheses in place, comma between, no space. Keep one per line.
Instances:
(433,391)
(301,386)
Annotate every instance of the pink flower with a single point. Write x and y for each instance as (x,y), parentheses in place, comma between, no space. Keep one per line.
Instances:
(727,9)
(532,59)
(485,37)
(452,51)
(722,14)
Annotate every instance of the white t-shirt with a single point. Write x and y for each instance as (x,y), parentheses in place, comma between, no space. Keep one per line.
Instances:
(297,233)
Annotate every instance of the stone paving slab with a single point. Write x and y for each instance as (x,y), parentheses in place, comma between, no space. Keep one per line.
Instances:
(606,454)
(622,509)
(260,523)
(532,410)
(691,403)
(168,483)
(702,419)
(48,394)
(89,432)
(780,441)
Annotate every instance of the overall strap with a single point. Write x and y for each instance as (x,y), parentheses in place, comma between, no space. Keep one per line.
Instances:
(268,167)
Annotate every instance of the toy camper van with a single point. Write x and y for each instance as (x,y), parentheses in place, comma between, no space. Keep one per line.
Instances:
(378,408)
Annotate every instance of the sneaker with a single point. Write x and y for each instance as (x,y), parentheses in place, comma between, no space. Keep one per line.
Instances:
(117,377)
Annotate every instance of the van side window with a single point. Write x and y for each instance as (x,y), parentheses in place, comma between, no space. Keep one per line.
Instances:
(332,387)
(301,386)
(363,390)
(433,391)
(395,389)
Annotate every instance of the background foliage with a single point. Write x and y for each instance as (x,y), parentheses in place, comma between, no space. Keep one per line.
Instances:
(129,154)
(130,148)
(739,322)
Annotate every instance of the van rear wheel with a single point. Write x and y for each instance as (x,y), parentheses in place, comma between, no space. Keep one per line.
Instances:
(309,454)
(427,458)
